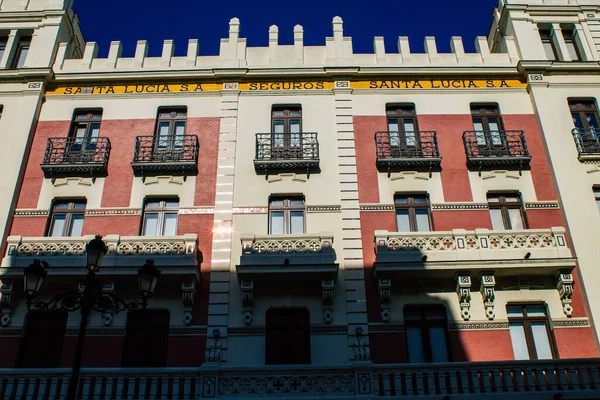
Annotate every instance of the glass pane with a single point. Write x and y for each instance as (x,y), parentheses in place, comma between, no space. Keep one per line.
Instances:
(295,126)
(278,126)
(80,132)
(514,311)
(296,202)
(536,311)
(277,202)
(171,204)
(402,221)
(392,125)
(519,343)
(76,228)
(278,113)
(170,224)
(163,132)
(439,351)
(549,49)
(401,200)
(297,222)
(577,121)
(420,200)
(58,225)
(179,131)
(415,345)
(278,140)
(294,112)
(592,121)
(541,340)
(2,49)
(422,220)
(152,204)
(497,221)
(494,124)
(394,138)
(95,129)
(22,57)
(277,223)
(78,205)
(409,132)
(516,220)
(150,225)
(478,124)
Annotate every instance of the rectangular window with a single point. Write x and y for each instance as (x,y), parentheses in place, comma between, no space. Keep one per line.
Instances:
(286,215)
(426,333)
(412,213)
(85,130)
(22,51)
(597,196)
(288,336)
(487,125)
(530,332)
(571,43)
(42,343)
(160,217)
(585,117)
(170,129)
(548,43)
(286,126)
(146,338)
(506,211)
(66,218)
(3,42)
(402,126)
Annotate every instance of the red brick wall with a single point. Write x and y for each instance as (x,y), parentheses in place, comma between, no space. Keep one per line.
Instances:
(480,345)
(10,351)
(186,351)
(29,226)
(124,225)
(207,130)
(388,348)
(544,219)
(575,343)
(366,156)
(463,219)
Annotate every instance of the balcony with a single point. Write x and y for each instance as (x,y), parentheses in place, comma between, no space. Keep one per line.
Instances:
(398,151)
(277,153)
(521,380)
(496,149)
(291,255)
(588,144)
(174,255)
(73,156)
(171,154)
(526,252)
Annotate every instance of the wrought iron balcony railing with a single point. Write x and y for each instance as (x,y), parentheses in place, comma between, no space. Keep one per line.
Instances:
(71,156)
(172,153)
(496,148)
(287,151)
(588,143)
(407,149)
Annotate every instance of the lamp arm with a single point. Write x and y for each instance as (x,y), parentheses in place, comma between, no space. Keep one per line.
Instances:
(71,301)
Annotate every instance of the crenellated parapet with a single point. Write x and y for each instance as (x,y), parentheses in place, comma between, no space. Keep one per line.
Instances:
(337,51)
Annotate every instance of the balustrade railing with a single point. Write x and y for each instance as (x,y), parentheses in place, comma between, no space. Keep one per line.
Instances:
(302,146)
(76,155)
(575,378)
(411,145)
(175,153)
(496,147)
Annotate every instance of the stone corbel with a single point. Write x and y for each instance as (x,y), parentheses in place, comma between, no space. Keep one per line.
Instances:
(188,296)
(327,287)
(6,303)
(385,295)
(565,290)
(247,289)
(463,289)
(107,288)
(488,293)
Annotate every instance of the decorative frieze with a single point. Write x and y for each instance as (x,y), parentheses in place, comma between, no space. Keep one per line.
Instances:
(113,211)
(459,206)
(551,205)
(565,290)
(324,209)
(488,283)
(463,289)
(286,385)
(31,213)
(461,326)
(571,323)
(376,207)
(250,210)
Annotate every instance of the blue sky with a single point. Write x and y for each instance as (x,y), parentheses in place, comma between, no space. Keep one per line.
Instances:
(180,20)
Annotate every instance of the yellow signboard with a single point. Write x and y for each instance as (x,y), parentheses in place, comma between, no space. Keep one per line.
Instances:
(286,86)
(439,84)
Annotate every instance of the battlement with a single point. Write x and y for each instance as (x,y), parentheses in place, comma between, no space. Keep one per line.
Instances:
(337,51)
(34,5)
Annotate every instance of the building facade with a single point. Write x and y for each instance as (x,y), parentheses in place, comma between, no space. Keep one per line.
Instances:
(326,224)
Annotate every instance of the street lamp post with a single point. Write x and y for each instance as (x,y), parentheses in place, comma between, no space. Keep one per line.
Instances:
(92,298)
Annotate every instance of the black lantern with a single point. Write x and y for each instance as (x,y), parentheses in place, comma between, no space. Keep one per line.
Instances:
(148,277)
(34,277)
(96,249)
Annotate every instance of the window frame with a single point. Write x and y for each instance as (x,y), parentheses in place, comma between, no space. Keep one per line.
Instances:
(596,192)
(547,38)
(527,320)
(131,348)
(288,142)
(504,206)
(69,212)
(161,211)
(412,208)
(487,137)
(580,109)
(287,208)
(24,44)
(3,46)
(173,141)
(570,37)
(424,325)
(396,111)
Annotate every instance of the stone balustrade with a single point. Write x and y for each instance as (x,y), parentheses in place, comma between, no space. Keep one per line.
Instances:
(578,378)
